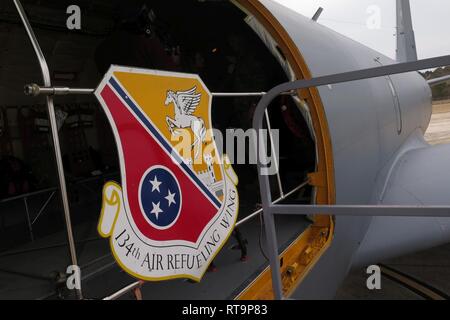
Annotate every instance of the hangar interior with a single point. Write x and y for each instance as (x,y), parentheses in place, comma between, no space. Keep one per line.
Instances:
(225,49)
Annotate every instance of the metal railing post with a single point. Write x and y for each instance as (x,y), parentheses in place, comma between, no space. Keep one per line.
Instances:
(54,132)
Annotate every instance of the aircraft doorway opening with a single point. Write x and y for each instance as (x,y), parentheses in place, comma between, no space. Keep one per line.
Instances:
(227,52)
(214,39)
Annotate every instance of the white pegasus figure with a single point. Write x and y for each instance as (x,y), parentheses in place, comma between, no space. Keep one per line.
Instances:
(186,102)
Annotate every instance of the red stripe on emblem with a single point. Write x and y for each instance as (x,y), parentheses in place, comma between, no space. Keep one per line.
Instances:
(141,152)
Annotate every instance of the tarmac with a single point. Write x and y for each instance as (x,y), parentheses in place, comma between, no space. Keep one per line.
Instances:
(431,267)
(439,129)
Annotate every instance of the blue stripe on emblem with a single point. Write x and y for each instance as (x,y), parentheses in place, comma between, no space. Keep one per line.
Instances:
(163,141)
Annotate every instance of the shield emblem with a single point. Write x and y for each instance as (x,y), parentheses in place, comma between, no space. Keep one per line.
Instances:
(178,203)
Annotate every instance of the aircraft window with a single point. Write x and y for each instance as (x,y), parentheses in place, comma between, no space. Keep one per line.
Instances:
(222,49)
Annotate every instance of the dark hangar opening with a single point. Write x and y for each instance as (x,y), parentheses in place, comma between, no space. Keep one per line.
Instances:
(211,38)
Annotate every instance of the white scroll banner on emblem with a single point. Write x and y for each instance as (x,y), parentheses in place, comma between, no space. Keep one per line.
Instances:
(149,262)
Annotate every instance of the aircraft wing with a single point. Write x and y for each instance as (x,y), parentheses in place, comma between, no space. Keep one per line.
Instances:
(438,81)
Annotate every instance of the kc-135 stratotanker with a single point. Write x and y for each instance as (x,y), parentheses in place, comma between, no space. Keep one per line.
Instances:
(354,183)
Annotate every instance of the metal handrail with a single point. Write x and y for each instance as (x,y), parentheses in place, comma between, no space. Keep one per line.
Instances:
(138,284)
(39,192)
(35,90)
(270,209)
(54,132)
(284,197)
(27,195)
(119,294)
(53,191)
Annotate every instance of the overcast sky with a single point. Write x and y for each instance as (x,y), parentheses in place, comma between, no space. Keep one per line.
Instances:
(431,19)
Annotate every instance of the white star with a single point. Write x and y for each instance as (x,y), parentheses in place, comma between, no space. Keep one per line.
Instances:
(171,198)
(155,184)
(157,210)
